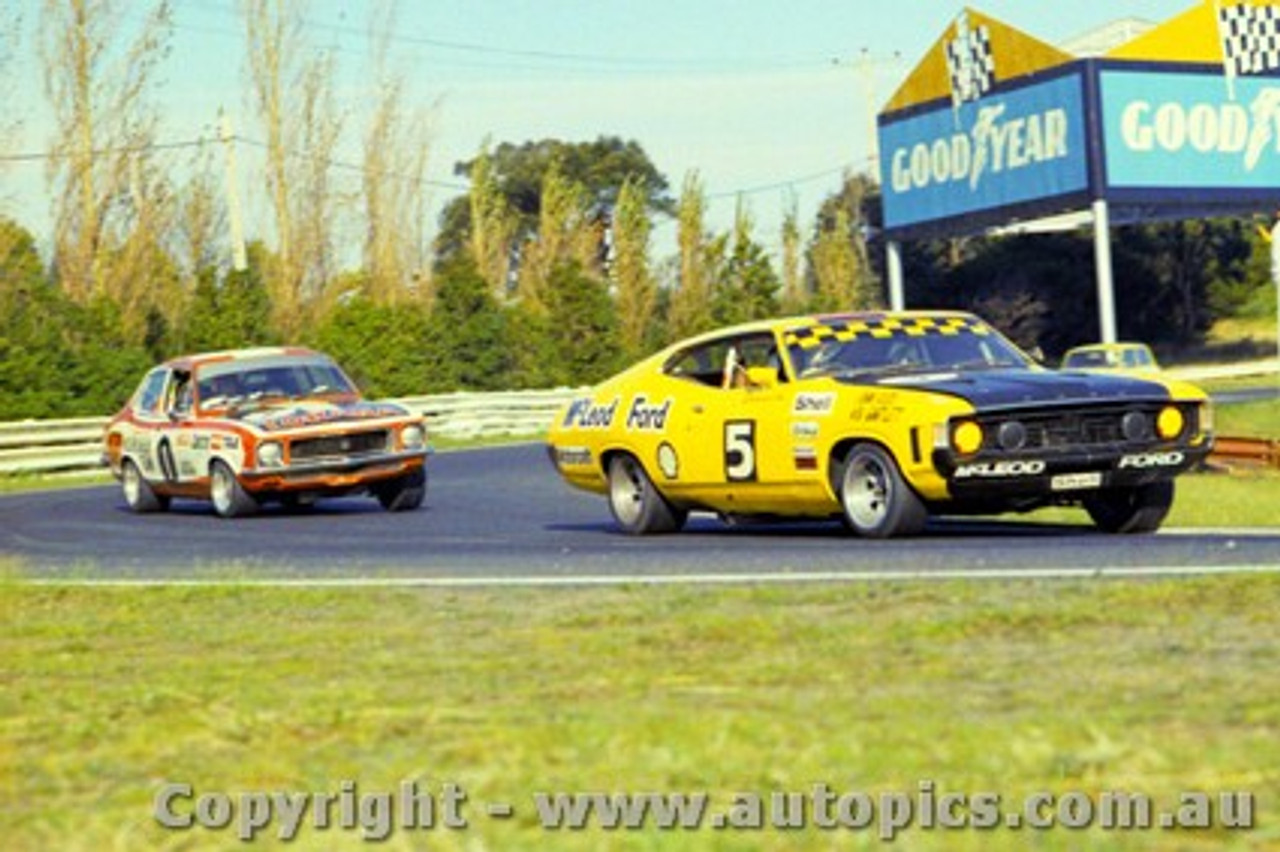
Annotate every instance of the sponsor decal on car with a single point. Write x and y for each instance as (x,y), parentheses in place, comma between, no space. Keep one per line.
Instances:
(668,462)
(1000,469)
(804,429)
(299,417)
(584,413)
(645,417)
(573,457)
(806,458)
(1142,461)
(814,404)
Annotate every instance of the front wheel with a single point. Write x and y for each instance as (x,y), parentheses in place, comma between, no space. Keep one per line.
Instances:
(403,494)
(1140,509)
(138,493)
(877,501)
(636,504)
(230,500)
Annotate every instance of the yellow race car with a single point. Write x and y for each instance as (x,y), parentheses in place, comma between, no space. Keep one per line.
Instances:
(877,418)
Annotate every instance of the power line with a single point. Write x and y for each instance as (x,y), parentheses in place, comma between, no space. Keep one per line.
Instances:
(344,165)
(354,167)
(544,59)
(102,152)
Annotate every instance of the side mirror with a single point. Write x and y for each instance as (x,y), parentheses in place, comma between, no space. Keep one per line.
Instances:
(1037,354)
(762,378)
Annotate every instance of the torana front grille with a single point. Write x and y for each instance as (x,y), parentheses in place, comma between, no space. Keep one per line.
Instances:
(340,446)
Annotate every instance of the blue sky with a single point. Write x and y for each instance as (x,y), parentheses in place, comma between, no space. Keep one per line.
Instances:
(765,100)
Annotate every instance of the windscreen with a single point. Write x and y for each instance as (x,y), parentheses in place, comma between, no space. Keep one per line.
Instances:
(231,384)
(851,348)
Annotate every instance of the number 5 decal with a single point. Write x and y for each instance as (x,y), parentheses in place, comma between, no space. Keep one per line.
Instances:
(740,450)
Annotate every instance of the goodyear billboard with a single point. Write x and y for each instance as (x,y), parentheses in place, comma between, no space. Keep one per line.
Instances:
(1169,127)
(1190,112)
(994,126)
(1009,152)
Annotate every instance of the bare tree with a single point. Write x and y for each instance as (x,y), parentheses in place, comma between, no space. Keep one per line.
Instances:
(637,291)
(100,171)
(293,98)
(835,266)
(10,27)
(493,226)
(396,252)
(564,235)
(691,303)
(794,298)
(200,219)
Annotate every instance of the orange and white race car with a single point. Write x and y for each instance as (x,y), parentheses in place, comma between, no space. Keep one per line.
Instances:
(247,426)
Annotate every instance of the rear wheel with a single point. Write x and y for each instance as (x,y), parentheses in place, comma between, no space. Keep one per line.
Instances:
(636,504)
(230,500)
(877,501)
(1140,509)
(403,494)
(138,493)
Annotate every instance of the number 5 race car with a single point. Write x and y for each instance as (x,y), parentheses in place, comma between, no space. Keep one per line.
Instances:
(878,418)
(253,425)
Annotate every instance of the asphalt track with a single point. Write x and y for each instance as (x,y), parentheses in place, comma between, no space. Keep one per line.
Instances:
(502,514)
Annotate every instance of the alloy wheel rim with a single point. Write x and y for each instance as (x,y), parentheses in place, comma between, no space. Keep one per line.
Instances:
(221,490)
(132,486)
(627,494)
(866,492)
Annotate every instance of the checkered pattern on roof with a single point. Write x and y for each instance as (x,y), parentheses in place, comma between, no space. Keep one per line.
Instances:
(813,336)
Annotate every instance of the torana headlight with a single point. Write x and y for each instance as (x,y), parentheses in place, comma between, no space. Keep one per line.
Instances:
(270,454)
(413,437)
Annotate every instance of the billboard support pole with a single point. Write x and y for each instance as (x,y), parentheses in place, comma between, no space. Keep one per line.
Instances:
(1275,275)
(1102,268)
(893,258)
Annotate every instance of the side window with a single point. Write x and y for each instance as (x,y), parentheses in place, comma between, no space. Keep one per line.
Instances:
(703,363)
(180,393)
(722,363)
(150,395)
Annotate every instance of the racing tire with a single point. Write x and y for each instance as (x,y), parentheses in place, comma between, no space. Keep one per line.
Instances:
(230,500)
(403,494)
(168,467)
(1140,509)
(636,504)
(138,493)
(877,501)
(298,502)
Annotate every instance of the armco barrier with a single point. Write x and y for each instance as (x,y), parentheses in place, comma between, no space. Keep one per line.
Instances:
(46,446)
(49,446)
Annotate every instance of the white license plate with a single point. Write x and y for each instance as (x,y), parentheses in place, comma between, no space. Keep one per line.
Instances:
(1075,481)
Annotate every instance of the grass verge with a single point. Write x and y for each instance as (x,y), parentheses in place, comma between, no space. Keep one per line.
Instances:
(1154,687)
(1254,419)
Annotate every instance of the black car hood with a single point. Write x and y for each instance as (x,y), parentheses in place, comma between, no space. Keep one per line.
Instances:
(988,390)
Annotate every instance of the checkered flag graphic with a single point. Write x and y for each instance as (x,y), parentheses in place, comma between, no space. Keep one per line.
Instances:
(1250,38)
(970,63)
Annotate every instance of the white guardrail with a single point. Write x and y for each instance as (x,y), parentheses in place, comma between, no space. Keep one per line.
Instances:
(54,446)
(48,446)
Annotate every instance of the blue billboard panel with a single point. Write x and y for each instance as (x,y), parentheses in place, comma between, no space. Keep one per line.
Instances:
(1190,130)
(1006,149)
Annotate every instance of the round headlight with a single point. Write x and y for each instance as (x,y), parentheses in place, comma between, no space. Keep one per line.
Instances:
(1170,422)
(1012,435)
(1135,427)
(270,454)
(966,438)
(412,437)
